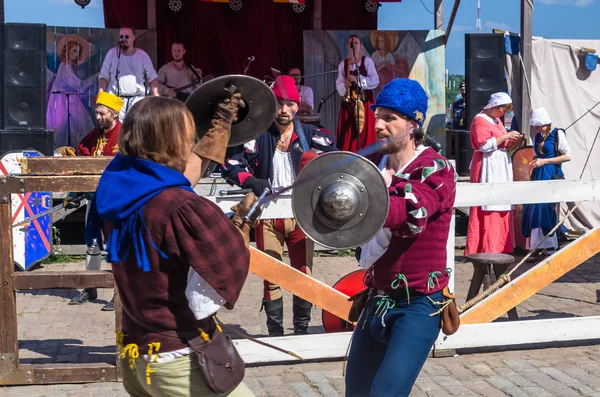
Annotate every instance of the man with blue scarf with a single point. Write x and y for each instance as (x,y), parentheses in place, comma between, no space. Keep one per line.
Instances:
(176,257)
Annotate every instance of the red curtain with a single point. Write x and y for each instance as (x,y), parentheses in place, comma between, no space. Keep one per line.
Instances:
(220,40)
(130,13)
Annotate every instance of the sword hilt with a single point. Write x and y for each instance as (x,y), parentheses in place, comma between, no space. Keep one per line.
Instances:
(257,204)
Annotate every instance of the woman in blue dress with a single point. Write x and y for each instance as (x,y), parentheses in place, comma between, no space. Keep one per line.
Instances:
(551,150)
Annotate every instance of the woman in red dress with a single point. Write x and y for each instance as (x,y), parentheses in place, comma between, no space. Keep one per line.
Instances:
(490,226)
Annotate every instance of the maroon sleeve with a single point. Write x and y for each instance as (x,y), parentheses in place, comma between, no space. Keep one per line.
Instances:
(82,149)
(201,236)
(417,197)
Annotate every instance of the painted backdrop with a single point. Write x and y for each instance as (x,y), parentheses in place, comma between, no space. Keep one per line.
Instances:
(74,58)
(419,55)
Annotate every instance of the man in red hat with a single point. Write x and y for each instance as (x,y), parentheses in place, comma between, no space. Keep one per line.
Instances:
(272,161)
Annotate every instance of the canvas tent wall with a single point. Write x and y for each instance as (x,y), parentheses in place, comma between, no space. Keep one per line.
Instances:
(561,83)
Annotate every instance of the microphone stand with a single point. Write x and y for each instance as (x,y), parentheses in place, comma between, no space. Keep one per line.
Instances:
(247,65)
(325,100)
(117,71)
(68,95)
(359,93)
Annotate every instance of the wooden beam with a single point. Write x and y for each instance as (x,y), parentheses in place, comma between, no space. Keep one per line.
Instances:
(451,21)
(298,283)
(62,280)
(468,195)
(532,281)
(527,55)
(438,17)
(8,306)
(24,184)
(71,373)
(80,165)
(510,333)
(309,347)
(317,22)
(151,14)
(500,334)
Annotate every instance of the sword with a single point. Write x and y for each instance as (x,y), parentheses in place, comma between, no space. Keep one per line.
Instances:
(52,210)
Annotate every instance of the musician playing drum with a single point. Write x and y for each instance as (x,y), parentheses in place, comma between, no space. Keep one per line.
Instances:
(357,77)
(178,79)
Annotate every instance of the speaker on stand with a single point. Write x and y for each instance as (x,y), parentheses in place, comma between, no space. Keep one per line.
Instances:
(484,75)
(484,71)
(23,88)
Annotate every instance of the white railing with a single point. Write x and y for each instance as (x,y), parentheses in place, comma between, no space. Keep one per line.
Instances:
(327,346)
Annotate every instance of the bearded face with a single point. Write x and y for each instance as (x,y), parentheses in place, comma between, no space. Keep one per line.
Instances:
(394,130)
(286,111)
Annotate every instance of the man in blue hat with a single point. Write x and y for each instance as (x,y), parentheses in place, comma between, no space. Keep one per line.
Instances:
(406,260)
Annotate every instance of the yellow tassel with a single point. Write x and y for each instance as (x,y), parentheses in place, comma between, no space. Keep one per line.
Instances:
(204,335)
(153,349)
(133,352)
(217,324)
(120,337)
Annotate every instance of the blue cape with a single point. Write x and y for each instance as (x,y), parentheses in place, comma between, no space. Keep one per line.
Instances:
(126,185)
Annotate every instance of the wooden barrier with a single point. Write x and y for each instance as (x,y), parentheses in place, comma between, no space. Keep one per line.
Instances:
(86,177)
(56,179)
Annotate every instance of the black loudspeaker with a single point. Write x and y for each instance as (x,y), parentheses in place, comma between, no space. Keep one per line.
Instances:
(23,76)
(458,148)
(484,71)
(30,139)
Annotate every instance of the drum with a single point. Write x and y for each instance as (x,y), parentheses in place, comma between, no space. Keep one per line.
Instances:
(521,172)
(350,285)
(313,119)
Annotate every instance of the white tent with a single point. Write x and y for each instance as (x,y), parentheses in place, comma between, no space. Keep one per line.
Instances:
(561,83)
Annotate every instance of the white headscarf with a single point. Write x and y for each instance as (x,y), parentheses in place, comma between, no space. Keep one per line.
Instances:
(498,99)
(540,117)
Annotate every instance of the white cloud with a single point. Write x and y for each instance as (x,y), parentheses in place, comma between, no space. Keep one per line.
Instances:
(93,3)
(497,25)
(577,3)
(462,28)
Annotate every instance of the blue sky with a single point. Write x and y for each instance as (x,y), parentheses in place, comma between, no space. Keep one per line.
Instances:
(55,12)
(555,19)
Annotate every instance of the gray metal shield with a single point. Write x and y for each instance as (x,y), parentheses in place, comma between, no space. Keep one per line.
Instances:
(253,120)
(340,200)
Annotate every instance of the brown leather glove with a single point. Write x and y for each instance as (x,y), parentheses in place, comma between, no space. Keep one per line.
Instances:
(213,145)
(241,210)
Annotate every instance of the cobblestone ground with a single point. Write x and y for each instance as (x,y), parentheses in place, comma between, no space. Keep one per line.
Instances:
(51,331)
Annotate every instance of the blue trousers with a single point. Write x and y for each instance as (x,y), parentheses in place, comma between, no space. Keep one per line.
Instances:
(390,345)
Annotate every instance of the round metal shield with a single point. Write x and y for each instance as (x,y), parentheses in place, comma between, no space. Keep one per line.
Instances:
(340,200)
(253,120)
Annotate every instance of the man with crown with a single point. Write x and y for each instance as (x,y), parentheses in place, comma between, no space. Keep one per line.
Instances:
(101,141)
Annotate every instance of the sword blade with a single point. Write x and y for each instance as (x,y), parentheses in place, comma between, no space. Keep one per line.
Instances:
(52,210)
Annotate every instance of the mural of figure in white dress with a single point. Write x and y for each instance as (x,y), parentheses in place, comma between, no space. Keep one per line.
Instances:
(69,91)
(388,66)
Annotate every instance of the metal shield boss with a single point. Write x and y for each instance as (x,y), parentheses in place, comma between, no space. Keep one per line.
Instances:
(340,200)
(253,120)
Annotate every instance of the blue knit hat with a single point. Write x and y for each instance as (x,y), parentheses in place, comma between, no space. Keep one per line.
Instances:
(405,96)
